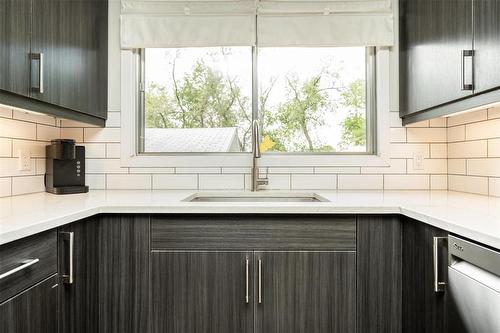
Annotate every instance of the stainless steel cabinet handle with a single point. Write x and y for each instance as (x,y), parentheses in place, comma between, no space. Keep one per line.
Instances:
(247,297)
(24,265)
(69,278)
(39,58)
(439,286)
(260,281)
(465,85)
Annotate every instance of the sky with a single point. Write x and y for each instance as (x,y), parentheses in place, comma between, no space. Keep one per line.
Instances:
(349,62)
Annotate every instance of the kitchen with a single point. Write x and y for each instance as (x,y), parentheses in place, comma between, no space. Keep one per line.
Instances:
(249,166)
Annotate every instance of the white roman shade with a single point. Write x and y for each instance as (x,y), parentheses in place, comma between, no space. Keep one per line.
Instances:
(173,23)
(185,23)
(325,23)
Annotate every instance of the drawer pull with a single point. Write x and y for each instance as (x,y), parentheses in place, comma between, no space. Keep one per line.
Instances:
(260,281)
(25,264)
(247,297)
(70,237)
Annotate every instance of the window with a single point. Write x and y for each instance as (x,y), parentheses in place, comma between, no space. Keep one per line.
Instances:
(309,99)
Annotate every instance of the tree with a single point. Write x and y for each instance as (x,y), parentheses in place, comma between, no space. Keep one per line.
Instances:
(354,125)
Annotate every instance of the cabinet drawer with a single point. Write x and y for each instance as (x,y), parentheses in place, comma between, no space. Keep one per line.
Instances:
(30,260)
(236,232)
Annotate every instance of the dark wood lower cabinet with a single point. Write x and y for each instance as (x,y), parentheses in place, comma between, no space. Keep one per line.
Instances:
(313,292)
(34,310)
(201,292)
(425,310)
(379,274)
(111,275)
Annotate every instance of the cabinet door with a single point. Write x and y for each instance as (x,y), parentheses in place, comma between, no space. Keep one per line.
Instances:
(313,292)
(487,44)
(424,310)
(34,310)
(110,288)
(201,292)
(433,34)
(72,36)
(15,46)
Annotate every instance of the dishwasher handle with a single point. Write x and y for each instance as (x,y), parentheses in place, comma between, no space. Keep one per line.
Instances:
(478,255)
(439,286)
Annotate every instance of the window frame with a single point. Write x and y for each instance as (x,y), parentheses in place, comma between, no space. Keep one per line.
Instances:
(386,69)
(371,108)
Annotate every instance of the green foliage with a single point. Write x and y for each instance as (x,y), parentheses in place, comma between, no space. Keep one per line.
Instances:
(208,98)
(354,125)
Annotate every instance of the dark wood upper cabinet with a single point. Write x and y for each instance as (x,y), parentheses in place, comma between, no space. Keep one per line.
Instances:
(433,35)
(487,44)
(448,56)
(56,53)
(305,291)
(15,46)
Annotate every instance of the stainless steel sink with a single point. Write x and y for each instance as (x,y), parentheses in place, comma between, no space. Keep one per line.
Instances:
(255,197)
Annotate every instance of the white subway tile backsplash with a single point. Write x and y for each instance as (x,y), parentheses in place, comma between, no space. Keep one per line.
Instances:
(291,170)
(457,166)
(424,123)
(396,166)
(47,133)
(402,150)
(494,113)
(128,182)
(484,167)
(5,147)
(494,187)
(40,166)
(361,182)
(439,182)
(456,133)
(113,150)
(311,182)
(405,182)
(96,182)
(175,182)
(439,150)
(114,119)
(197,170)
(5,187)
(101,134)
(9,167)
(438,122)
(394,120)
(494,148)
(337,170)
(468,149)
(221,182)
(104,166)
(483,130)
(5,112)
(236,170)
(431,166)
(152,170)
(426,135)
(94,150)
(28,184)
(470,184)
(398,134)
(72,133)
(34,117)
(467,117)
(276,182)
(36,148)
(17,129)
(66,123)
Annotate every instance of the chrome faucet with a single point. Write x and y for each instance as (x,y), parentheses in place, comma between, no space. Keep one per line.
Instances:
(256,179)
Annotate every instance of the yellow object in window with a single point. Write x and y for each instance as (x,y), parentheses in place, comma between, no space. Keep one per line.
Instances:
(266,144)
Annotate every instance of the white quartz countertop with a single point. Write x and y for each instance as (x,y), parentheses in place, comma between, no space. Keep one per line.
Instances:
(473,216)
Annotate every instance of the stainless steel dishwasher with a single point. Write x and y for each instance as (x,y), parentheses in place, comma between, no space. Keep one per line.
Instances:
(474,284)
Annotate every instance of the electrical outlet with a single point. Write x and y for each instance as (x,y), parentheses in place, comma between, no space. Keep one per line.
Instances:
(418,161)
(24,159)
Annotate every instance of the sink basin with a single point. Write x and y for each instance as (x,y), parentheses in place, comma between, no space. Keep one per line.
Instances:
(255,197)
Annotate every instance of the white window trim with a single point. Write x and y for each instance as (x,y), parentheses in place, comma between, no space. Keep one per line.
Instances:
(129,125)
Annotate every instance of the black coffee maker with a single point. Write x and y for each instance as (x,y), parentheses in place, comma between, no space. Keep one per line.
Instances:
(65,167)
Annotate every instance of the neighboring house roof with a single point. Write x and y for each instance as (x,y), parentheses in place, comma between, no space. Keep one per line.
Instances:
(192,140)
